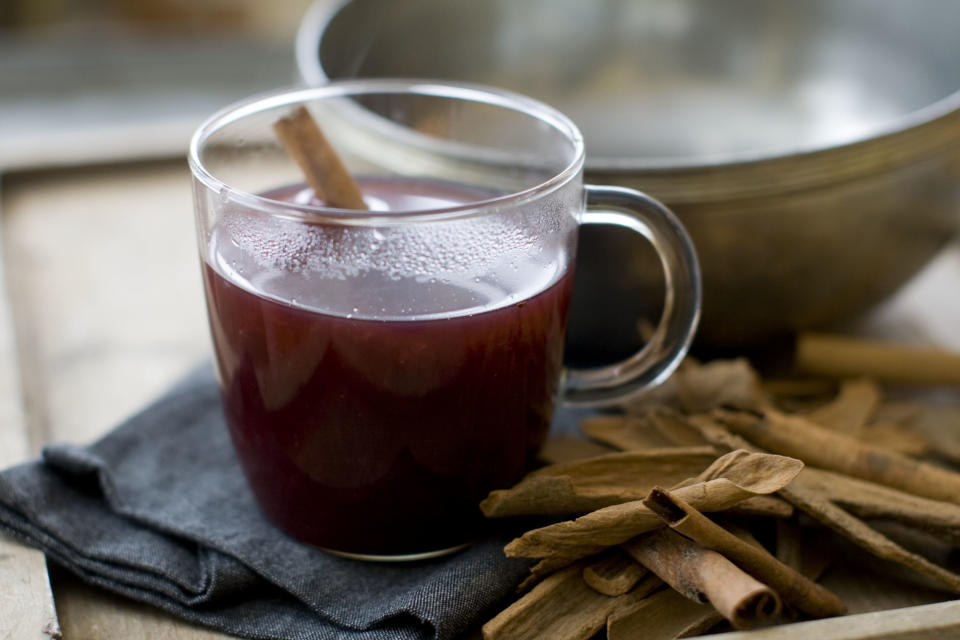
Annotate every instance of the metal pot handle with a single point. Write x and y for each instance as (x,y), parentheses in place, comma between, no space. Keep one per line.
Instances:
(681,309)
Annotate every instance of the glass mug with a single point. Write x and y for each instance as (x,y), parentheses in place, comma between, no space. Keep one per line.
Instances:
(382,370)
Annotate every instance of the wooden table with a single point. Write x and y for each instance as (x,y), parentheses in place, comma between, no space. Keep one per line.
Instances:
(101,309)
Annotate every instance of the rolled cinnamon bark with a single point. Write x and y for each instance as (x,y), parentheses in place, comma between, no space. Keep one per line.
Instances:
(562,607)
(614,573)
(797,437)
(810,497)
(703,575)
(321,166)
(664,615)
(584,485)
(732,478)
(844,357)
(801,593)
(851,411)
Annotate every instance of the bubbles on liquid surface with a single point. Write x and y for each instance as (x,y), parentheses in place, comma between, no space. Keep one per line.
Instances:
(412,270)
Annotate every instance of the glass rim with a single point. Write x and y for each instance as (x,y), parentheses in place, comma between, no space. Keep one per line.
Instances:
(471,92)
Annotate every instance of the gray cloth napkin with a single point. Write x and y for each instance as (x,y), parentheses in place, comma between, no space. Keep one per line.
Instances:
(158,510)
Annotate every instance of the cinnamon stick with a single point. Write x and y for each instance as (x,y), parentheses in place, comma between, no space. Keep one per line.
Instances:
(562,607)
(808,554)
(657,429)
(665,615)
(614,573)
(660,427)
(720,436)
(894,437)
(844,357)
(792,389)
(734,478)
(807,494)
(628,433)
(797,437)
(566,448)
(852,409)
(674,428)
(587,484)
(804,595)
(720,383)
(869,500)
(545,568)
(321,166)
(703,575)
(811,500)
(937,424)
(696,387)
(764,507)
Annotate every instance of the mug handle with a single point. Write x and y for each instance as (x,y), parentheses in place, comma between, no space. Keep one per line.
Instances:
(681,307)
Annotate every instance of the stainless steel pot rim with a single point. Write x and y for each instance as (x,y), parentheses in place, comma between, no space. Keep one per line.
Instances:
(318,15)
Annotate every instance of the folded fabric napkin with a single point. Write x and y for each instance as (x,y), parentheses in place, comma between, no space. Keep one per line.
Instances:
(159,510)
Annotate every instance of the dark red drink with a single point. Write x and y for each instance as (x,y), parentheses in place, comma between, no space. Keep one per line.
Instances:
(380,435)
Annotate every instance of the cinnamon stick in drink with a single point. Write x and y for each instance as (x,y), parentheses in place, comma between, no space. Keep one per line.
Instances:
(703,575)
(803,594)
(321,166)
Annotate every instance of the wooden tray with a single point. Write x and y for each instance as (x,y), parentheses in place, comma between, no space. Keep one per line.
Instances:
(101,309)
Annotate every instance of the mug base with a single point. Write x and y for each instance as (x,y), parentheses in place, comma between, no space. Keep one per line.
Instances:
(404,557)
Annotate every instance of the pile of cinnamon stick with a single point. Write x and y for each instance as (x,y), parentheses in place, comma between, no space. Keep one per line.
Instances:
(661,505)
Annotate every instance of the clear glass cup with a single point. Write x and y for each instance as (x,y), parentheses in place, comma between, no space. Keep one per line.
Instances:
(382,370)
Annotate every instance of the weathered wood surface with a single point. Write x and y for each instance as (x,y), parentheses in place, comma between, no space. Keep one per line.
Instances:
(105,285)
(26,603)
(104,288)
(92,614)
(926,622)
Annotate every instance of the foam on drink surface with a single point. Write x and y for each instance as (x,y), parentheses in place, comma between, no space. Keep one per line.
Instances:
(409,271)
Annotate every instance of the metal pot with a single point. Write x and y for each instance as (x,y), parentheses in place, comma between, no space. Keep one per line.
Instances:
(812,149)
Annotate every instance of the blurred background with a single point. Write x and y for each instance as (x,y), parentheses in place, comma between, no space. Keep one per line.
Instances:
(79,77)
(811,149)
